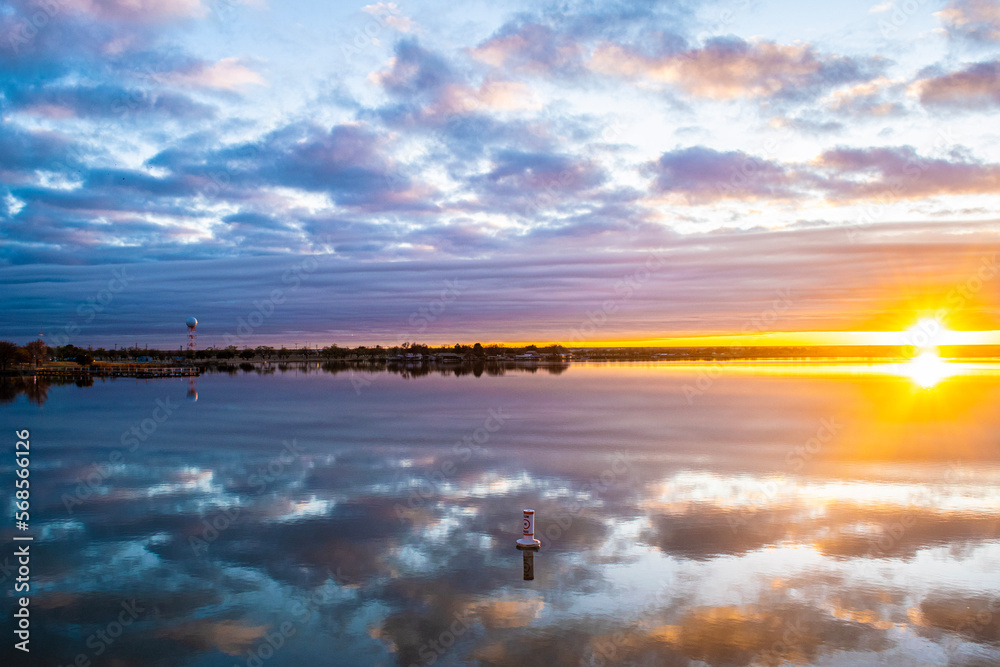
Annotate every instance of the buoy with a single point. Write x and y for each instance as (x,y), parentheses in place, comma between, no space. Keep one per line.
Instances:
(529,564)
(528,540)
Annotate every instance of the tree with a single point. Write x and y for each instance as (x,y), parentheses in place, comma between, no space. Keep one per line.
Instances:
(247,354)
(37,351)
(8,354)
(265,352)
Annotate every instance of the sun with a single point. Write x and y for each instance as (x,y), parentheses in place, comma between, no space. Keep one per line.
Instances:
(926,334)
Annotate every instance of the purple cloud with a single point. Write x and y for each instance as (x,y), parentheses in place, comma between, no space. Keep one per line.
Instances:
(701,175)
(977,86)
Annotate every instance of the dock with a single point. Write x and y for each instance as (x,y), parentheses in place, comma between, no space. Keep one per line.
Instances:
(119,370)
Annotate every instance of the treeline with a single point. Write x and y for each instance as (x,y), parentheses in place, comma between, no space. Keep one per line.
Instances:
(38,352)
(12,354)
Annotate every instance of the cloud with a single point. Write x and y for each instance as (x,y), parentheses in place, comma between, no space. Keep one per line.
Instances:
(414,71)
(701,175)
(532,48)
(350,162)
(388,13)
(491,95)
(901,173)
(809,124)
(428,95)
(730,68)
(229,637)
(251,219)
(106,101)
(973,20)
(873,99)
(23,152)
(227,74)
(556,43)
(131,11)
(515,171)
(543,286)
(977,86)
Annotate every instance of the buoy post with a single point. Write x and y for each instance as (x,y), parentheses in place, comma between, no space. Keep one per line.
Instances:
(528,540)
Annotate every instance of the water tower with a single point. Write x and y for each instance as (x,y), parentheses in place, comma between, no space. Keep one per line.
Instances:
(192,325)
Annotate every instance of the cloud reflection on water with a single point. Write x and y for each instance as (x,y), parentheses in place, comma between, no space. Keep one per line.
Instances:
(705,546)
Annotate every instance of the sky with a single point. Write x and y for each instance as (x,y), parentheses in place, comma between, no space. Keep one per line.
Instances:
(336,173)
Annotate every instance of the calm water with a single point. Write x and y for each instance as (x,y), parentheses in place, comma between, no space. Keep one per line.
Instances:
(824,516)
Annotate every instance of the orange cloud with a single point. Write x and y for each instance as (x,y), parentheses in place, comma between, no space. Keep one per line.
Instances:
(533,48)
(229,637)
(500,95)
(729,69)
(978,20)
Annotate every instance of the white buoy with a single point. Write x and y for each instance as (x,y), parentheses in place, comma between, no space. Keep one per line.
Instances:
(528,540)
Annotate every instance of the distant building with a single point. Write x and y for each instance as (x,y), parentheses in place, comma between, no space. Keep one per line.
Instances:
(144,360)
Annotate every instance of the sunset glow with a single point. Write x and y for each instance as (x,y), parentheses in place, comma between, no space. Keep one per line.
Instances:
(536,332)
(593,174)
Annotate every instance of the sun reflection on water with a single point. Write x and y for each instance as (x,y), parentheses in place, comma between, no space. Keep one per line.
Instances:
(928,369)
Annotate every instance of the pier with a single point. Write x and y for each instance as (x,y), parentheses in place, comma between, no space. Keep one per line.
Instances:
(119,370)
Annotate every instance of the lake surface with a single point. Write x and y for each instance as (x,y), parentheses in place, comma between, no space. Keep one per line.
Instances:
(781,515)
